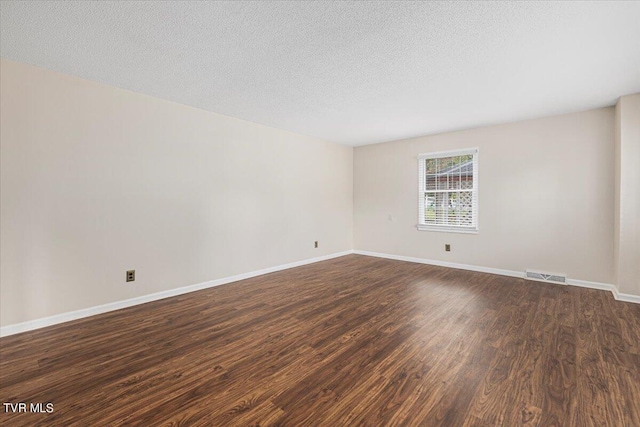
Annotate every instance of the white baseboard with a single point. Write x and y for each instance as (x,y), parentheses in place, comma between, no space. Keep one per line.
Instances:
(92,311)
(478,268)
(593,285)
(511,273)
(626,297)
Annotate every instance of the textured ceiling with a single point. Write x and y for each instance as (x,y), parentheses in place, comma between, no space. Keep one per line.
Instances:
(348,72)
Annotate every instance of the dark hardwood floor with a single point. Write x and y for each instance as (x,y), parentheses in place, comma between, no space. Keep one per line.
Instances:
(350,341)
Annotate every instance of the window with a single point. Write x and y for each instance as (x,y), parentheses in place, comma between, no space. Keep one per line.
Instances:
(448,191)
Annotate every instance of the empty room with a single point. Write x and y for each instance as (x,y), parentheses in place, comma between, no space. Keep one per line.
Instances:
(320,213)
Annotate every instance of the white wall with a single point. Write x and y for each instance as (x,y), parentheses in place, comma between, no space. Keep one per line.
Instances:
(97,180)
(627,183)
(546,197)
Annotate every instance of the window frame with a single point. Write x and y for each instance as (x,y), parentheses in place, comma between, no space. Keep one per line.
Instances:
(422,225)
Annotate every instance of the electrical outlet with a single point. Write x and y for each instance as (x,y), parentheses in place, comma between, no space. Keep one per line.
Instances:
(447,247)
(131,275)
(316,244)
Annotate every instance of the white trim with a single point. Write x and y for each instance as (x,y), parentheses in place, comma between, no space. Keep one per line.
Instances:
(518,274)
(626,297)
(92,311)
(451,153)
(447,229)
(605,287)
(593,285)
(478,268)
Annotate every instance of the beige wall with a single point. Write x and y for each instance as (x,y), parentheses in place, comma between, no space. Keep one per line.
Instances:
(546,197)
(98,180)
(627,184)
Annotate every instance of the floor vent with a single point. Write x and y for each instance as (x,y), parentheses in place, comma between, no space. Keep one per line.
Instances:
(545,277)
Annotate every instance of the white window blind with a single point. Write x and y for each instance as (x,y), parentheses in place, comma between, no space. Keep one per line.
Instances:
(448,191)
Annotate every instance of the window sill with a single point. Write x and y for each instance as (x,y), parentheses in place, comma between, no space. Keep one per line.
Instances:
(447,229)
